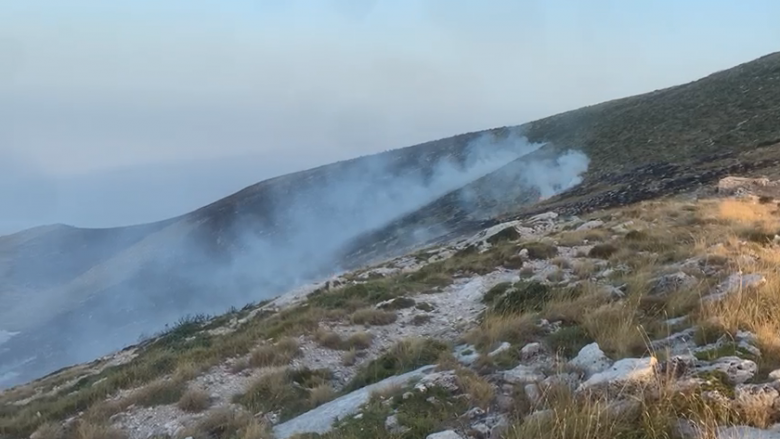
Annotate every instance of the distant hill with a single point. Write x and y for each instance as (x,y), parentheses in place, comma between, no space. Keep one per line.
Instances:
(76,293)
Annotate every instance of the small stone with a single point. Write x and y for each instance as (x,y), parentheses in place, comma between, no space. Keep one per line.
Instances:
(533,393)
(530,350)
(522,375)
(590,225)
(505,403)
(503,347)
(775,375)
(474,413)
(358,416)
(481,429)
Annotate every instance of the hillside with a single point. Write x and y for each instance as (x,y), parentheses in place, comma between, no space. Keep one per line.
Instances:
(631,143)
(647,321)
(282,232)
(60,285)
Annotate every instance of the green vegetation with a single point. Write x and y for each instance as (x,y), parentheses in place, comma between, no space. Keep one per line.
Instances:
(405,356)
(418,416)
(522,297)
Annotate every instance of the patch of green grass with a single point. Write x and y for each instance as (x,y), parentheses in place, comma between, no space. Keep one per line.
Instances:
(497,291)
(405,356)
(422,414)
(353,297)
(398,303)
(708,333)
(725,350)
(421,319)
(717,380)
(424,306)
(568,340)
(523,297)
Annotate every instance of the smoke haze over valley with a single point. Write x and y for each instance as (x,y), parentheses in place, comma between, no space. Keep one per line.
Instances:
(269,237)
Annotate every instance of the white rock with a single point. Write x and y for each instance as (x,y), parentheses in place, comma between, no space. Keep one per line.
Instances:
(532,393)
(320,419)
(737,370)
(744,432)
(393,426)
(543,217)
(590,225)
(449,434)
(775,375)
(625,371)
(530,350)
(503,347)
(673,282)
(735,283)
(523,375)
(591,359)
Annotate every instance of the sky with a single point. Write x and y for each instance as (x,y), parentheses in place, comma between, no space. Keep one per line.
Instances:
(119,112)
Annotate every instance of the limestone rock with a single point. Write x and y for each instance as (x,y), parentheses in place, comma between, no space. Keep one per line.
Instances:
(591,359)
(393,426)
(523,374)
(744,432)
(320,419)
(624,372)
(670,283)
(530,350)
(738,370)
(755,398)
(503,347)
(590,225)
(735,283)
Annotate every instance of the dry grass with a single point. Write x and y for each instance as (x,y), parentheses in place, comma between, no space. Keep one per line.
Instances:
(374,317)
(497,328)
(289,391)
(349,358)
(49,430)
(194,400)
(86,430)
(584,269)
(227,423)
(616,329)
(321,394)
(332,340)
(481,393)
(279,354)
(158,392)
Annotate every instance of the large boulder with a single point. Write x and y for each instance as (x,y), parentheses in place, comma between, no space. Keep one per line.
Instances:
(625,373)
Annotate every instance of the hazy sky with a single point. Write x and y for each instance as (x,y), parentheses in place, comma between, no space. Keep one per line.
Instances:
(194,99)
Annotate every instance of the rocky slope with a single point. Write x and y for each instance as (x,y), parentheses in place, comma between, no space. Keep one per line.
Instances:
(643,321)
(252,245)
